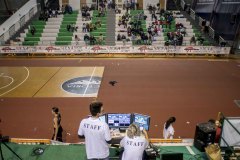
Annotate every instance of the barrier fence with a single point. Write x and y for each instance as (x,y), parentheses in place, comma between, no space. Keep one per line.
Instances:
(178,50)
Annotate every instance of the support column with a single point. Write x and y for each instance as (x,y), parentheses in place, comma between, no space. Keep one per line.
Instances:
(163,4)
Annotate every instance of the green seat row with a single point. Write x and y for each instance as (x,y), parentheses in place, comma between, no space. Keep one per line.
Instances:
(62,43)
(100,30)
(29,43)
(69,22)
(32,39)
(64,38)
(98,33)
(65,34)
(35,35)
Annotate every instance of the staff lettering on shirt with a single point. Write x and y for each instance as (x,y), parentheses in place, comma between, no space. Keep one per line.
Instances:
(93,127)
(131,143)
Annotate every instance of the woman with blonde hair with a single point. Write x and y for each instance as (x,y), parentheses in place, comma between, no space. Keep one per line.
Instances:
(134,143)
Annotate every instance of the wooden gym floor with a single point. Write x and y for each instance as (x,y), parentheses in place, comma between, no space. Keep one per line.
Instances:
(43,81)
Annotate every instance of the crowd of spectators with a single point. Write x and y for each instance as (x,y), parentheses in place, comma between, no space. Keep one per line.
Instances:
(92,40)
(72,27)
(49,12)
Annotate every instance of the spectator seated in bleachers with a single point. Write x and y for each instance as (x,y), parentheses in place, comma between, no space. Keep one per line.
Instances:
(92,40)
(68,9)
(61,10)
(119,37)
(44,15)
(88,27)
(117,11)
(86,39)
(166,43)
(175,39)
(68,27)
(100,39)
(193,40)
(98,23)
(77,39)
(101,12)
(86,15)
(84,27)
(33,30)
(92,27)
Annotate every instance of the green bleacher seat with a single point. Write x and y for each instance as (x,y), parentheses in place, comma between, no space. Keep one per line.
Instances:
(35,35)
(29,43)
(62,43)
(64,38)
(32,39)
(65,34)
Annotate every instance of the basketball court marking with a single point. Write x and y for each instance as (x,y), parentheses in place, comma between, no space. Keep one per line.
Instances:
(48,81)
(89,82)
(12,80)
(18,84)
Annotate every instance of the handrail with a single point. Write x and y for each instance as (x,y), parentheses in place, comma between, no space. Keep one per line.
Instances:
(211,32)
(192,13)
(221,40)
(15,22)
(183,4)
(199,20)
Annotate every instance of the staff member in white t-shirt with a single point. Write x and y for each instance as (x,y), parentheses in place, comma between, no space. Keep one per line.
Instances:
(96,133)
(134,143)
(168,130)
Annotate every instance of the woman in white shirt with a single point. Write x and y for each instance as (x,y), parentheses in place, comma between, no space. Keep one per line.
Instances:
(168,130)
(134,143)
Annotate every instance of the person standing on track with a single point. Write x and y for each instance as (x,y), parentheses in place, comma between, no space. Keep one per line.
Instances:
(96,134)
(57,128)
(168,130)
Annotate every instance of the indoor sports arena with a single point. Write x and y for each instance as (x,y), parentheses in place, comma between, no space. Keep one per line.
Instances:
(72,71)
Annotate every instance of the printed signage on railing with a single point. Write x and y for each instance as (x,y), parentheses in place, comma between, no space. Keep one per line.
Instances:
(117,49)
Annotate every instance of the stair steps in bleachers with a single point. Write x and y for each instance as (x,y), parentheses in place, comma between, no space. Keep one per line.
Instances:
(110,39)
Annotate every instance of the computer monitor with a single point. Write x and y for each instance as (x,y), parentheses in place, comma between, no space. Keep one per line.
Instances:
(142,120)
(103,118)
(119,120)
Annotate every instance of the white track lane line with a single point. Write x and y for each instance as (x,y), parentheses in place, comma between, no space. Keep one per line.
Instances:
(190,150)
(89,82)
(18,84)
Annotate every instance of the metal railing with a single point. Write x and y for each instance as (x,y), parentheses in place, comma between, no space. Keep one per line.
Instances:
(16,21)
(192,13)
(221,40)
(222,119)
(211,32)
(183,4)
(199,21)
